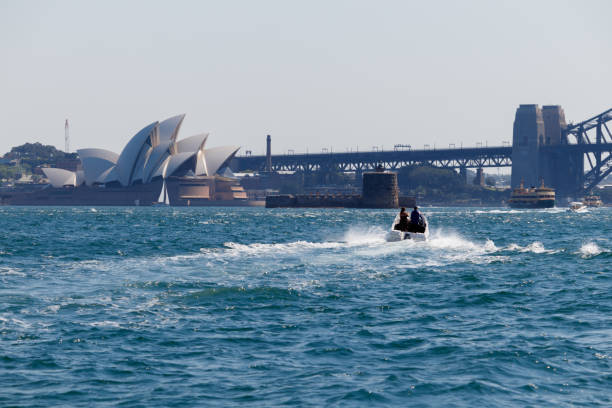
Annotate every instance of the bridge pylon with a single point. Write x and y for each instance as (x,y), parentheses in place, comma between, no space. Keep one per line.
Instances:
(539,151)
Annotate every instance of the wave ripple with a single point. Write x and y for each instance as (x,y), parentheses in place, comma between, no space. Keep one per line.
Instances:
(246,306)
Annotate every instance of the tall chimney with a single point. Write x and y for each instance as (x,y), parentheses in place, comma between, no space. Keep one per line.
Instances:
(268,153)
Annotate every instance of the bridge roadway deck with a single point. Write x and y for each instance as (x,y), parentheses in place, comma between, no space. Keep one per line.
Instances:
(477,157)
(359,161)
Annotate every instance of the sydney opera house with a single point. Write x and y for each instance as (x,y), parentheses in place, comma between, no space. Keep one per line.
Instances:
(153,167)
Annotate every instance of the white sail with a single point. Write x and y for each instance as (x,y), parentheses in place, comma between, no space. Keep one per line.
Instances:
(160,199)
(166,196)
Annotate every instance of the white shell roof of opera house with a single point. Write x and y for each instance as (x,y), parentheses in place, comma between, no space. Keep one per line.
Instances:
(152,152)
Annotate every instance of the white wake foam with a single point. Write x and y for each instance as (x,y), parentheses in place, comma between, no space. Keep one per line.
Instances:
(364,236)
(451,240)
(257,248)
(354,237)
(508,211)
(5,271)
(362,246)
(590,249)
(535,247)
(105,323)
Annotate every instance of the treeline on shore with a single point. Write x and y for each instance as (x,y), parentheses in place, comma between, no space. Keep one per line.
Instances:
(434,185)
(22,160)
(428,184)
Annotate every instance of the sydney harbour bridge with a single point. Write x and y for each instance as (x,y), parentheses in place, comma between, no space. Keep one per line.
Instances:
(572,158)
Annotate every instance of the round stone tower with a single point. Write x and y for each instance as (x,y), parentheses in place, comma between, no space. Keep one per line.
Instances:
(380,190)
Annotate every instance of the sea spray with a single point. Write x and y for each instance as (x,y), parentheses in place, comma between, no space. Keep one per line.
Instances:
(591,249)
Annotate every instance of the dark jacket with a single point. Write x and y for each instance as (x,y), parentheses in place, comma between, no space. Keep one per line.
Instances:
(415,217)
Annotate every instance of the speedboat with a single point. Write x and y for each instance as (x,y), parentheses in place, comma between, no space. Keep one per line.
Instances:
(397,235)
(577,206)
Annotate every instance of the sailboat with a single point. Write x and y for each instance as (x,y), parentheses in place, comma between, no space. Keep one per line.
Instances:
(164,199)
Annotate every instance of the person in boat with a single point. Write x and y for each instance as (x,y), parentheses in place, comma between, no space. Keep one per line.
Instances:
(403,223)
(417,223)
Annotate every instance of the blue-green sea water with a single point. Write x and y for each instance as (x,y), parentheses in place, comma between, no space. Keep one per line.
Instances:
(180,307)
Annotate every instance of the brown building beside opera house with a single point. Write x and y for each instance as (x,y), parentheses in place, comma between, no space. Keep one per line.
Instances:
(153,168)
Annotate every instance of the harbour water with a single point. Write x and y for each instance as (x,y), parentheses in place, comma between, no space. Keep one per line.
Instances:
(178,307)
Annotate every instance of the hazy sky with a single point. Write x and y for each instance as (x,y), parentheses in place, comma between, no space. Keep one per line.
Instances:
(313,74)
